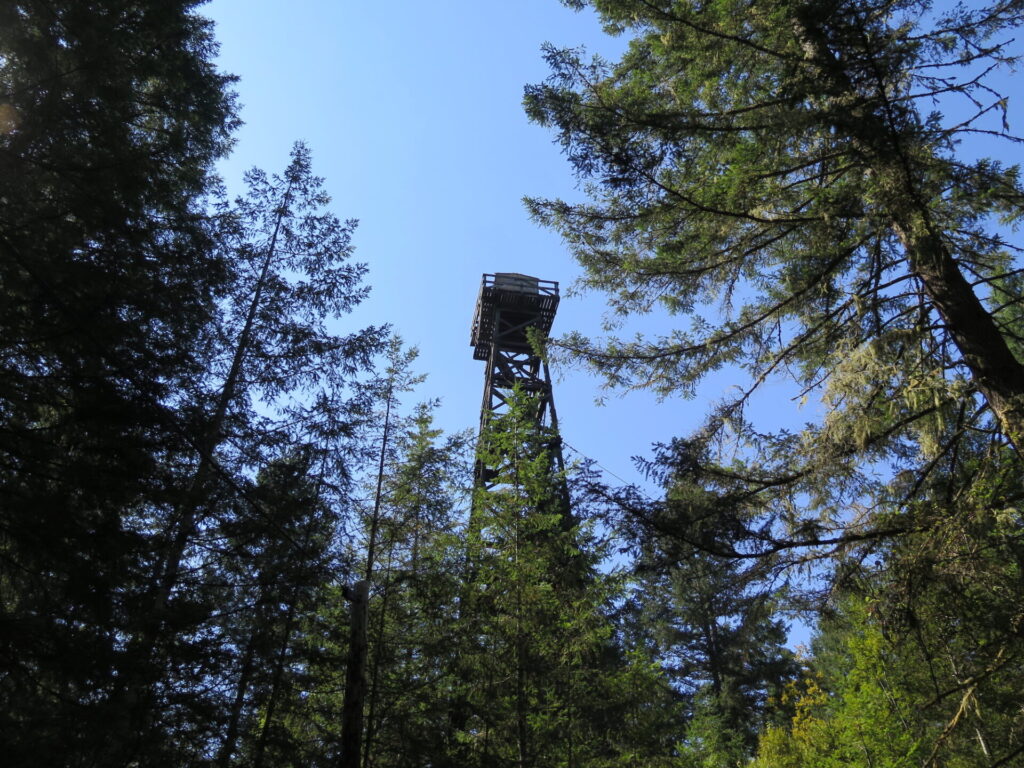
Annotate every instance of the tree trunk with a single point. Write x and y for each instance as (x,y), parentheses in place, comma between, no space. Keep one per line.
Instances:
(996,372)
(888,151)
(227,749)
(355,678)
(375,519)
(275,686)
(378,650)
(522,730)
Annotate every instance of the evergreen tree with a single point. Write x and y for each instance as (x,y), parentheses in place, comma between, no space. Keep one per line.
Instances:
(777,160)
(724,650)
(112,114)
(779,176)
(715,629)
(290,274)
(918,656)
(286,566)
(767,173)
(411,611)
(544,676)
(383,392)
(415,607)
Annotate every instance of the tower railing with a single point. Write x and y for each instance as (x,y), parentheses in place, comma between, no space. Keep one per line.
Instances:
(508,304)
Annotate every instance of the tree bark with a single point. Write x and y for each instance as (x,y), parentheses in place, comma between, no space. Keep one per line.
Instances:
(355,678)
(886,149)
(227,749)
(996,372)
(371,546)
(275,686)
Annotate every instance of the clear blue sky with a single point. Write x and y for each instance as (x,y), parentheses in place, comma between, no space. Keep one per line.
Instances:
(413,113)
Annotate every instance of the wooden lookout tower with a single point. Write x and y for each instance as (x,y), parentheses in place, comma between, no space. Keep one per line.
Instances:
(508,307)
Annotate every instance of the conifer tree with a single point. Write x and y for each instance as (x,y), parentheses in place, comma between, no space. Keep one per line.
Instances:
(290,270)
(713,626)
(411,611)
(411,620)
(768,173)
(918,656)
(774,175)
(782,163)
(789,182)
(111,114)
(723,647)
(542,670)
(286,564)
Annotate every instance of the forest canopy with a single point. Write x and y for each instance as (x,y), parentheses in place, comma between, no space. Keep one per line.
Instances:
(788,180)
(232,533)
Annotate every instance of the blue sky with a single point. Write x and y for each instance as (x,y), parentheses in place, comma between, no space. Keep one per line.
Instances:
(413,113)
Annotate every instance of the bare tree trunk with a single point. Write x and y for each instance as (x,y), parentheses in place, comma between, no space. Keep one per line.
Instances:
(227,749)
(378,649)
(375,519)
(355,678)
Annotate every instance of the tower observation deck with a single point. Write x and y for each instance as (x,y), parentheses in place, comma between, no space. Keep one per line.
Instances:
(508,306)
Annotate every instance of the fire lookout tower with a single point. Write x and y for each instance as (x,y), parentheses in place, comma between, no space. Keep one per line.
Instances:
(508,308)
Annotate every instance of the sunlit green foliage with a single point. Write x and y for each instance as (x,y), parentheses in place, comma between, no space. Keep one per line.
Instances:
(787,183)
(550,685)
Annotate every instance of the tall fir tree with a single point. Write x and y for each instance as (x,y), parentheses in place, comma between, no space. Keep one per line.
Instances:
(111,114)
(769,174)
(425,497)
(542,668)
(777,161)
(277,386)
(722,645)
(788,180)
(285,565)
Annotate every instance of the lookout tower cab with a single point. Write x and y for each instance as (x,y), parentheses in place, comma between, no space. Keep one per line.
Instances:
(508,306)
